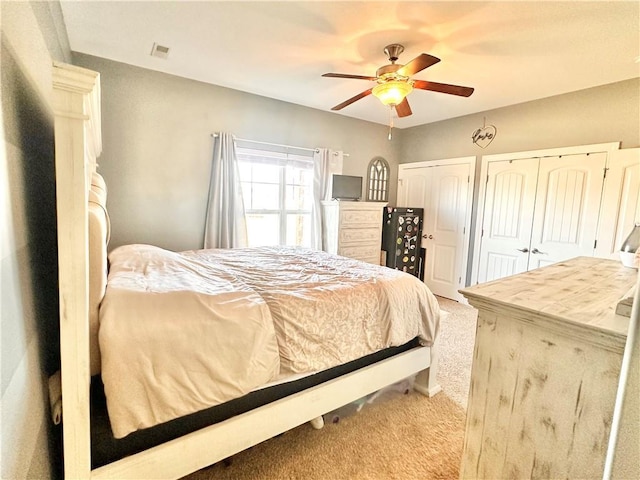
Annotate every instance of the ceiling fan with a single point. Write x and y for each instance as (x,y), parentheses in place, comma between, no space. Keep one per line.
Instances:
(394,81)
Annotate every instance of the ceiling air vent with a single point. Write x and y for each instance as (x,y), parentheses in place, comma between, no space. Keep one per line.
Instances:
(159,51)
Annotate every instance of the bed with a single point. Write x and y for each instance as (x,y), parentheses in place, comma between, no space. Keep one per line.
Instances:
(293,358)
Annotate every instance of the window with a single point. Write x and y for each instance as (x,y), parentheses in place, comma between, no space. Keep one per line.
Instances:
(277,189)
(378,180)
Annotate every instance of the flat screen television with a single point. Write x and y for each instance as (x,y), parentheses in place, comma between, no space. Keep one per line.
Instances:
(346,187)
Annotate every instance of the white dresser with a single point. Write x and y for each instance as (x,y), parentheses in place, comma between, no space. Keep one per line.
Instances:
(353,229)
(545,371)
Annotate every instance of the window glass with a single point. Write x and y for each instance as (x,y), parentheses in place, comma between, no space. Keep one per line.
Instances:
(299,230)
(265,173)
(299,176)
(298,198)
(263,229)
(277,189)
(264,196)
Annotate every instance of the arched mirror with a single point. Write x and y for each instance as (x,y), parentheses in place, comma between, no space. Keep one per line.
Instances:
(378,180)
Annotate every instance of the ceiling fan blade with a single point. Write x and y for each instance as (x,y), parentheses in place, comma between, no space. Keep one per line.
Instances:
(345,75)
(403,109)
(352,99)
(419,63)
(443,88)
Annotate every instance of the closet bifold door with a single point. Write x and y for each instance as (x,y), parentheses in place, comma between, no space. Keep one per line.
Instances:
(539,211)
(444,190)
(508,218)
(620,209)
(565,223)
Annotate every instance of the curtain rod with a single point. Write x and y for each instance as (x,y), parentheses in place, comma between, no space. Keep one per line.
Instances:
(215,135)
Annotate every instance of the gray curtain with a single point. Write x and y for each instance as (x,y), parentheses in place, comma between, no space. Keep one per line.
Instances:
(321,191)
(225,226)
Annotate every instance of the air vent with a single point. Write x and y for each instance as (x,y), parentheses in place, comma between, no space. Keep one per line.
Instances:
(159,51)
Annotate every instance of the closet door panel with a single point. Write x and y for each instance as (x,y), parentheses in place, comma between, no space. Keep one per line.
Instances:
(629,211)
(412,187)
(566,209)
(620,202)
(508,218)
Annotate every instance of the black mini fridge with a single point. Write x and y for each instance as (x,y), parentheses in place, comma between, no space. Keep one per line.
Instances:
(401,233)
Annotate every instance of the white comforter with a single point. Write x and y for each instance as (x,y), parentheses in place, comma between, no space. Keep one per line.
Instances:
(180,332)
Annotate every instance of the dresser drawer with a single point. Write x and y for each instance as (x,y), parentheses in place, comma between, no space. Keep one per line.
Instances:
(366,253)
(364,218)
(360,236)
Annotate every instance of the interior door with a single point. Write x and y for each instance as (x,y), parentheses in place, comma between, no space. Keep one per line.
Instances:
(444,229)
(508,218)
(443,192)
(565,223)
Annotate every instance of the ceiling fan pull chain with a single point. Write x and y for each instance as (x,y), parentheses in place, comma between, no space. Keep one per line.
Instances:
(390,121)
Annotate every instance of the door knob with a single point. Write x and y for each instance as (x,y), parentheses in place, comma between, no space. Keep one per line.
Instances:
(523,250)
(535,250)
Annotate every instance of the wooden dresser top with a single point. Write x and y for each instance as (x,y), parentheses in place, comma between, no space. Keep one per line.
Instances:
(583,291)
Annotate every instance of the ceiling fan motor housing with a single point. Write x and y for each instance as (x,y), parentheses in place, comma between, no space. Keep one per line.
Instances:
(393,51)
(388,70)
(388,73)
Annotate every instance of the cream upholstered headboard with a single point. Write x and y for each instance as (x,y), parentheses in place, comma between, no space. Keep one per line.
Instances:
(99,232)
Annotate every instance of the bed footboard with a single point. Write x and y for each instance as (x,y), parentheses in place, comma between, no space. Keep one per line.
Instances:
(204,447)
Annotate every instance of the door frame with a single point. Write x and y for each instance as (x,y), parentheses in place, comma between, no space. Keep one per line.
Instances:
(485,160)
(471,161)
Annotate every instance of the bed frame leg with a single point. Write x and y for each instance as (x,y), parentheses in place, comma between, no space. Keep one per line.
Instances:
(426,382)
(317,422)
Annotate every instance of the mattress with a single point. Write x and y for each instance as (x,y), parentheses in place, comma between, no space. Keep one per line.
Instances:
(181,332)
(106,449)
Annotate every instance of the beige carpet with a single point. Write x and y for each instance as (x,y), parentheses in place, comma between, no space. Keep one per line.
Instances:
(457,335)
(396,437)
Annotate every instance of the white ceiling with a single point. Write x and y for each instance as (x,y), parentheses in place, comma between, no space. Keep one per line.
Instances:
(510,52)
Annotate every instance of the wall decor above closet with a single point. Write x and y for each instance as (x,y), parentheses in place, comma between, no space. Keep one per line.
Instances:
(482,137)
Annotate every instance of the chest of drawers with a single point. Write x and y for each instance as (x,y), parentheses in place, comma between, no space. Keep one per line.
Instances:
(353,229)
(545,371)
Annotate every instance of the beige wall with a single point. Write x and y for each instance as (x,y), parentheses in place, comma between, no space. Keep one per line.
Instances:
(32,35)
(157,146)
(608,113)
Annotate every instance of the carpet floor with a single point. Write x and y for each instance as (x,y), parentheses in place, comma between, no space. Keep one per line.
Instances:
(457,337)
(397,436)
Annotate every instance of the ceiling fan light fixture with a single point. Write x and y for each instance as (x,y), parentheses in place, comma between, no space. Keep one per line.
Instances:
(392,92)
